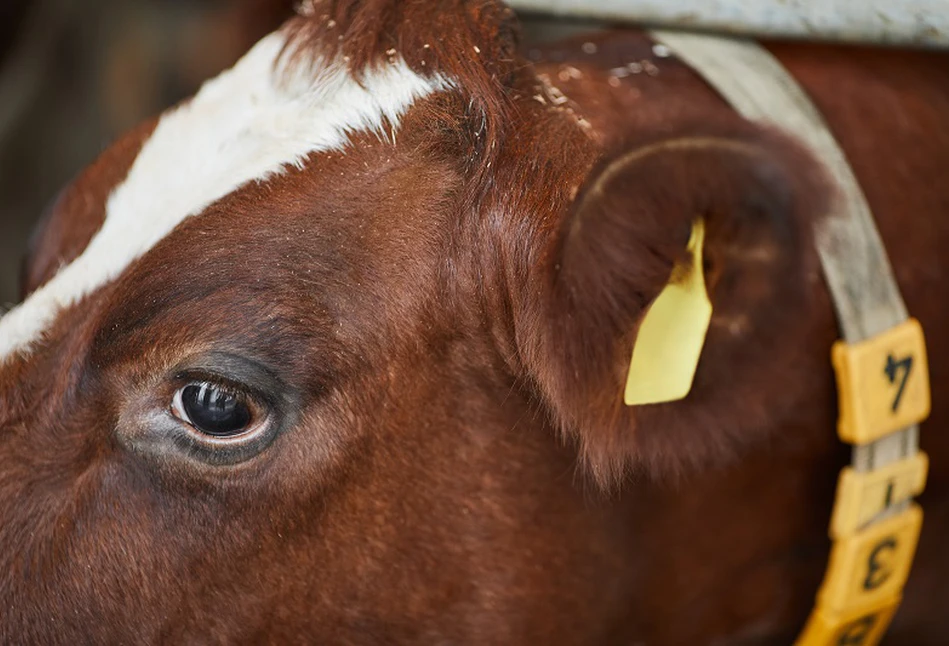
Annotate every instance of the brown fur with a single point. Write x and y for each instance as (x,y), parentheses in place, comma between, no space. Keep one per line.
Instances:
(444,325)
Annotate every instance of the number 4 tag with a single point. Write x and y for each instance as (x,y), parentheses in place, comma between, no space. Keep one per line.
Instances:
(883,383)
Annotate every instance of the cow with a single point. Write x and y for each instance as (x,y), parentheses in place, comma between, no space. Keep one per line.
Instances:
(334,351)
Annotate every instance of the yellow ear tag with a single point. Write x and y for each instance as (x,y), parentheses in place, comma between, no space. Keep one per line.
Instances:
(672,333)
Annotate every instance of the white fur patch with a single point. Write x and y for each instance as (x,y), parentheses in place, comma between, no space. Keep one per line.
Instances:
(248,124)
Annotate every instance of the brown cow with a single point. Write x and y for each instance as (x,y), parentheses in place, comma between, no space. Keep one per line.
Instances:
(334,352)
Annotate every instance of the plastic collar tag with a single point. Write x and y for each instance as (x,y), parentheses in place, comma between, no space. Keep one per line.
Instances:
(671,336)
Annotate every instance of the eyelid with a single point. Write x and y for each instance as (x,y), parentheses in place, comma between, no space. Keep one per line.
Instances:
(242,373)
(202,376)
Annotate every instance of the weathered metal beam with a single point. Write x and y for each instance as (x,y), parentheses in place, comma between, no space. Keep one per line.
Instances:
(923,23)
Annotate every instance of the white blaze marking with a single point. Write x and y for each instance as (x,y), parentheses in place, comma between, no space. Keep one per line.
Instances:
(248,124)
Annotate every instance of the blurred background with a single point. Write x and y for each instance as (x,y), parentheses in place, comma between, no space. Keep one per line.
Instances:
(74,74)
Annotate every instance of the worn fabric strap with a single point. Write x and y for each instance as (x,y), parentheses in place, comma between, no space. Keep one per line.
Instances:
(858,272)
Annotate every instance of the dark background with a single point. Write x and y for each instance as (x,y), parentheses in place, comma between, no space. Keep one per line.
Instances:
(74,74)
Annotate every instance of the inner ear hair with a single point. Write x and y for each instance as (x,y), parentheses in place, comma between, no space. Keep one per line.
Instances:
(759,194)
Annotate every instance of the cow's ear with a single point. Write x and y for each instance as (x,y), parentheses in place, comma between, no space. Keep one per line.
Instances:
(756,194)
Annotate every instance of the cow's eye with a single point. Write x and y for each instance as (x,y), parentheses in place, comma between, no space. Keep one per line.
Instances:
(216,410)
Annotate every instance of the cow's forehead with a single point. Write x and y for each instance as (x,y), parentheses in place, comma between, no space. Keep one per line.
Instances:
(246,125)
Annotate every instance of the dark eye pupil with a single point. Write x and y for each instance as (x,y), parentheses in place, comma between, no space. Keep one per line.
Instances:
(215,411)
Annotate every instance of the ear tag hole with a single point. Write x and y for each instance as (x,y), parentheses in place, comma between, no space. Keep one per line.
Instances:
(672,334)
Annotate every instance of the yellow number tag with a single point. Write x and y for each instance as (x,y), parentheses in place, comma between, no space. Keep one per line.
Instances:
(883,383)
(864,627)
(872,566)
(862,496)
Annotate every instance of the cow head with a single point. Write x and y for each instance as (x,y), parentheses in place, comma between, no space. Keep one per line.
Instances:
(329,349)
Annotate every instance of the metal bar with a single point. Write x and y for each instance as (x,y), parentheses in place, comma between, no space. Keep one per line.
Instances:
(923,23)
